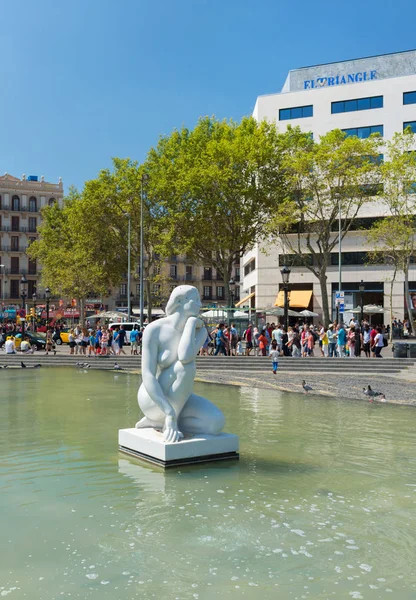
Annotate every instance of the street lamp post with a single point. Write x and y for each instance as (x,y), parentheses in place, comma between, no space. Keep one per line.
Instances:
(361,288)
(285,280)
(339,313)
(23,295)
(48,297)
(145,179)
(128,267)
(34,298)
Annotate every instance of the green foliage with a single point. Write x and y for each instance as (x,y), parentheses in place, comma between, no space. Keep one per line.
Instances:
(217,185)
(323,179)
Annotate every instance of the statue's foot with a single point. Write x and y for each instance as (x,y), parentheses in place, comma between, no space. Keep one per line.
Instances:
(147,423)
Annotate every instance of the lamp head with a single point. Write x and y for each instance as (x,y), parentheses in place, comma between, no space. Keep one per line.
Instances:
(47,293)
(361,286)
(285,272)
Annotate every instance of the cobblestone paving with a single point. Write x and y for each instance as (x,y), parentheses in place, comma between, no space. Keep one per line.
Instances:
(397,391)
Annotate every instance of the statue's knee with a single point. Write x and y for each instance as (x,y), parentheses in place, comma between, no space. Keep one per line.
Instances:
(216,423)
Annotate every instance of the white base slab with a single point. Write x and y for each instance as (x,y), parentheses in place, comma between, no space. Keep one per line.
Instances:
(148,445)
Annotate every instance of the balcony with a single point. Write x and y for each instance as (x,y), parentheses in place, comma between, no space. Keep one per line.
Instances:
(13,249)
(5,207)
(20,271)
(20,229)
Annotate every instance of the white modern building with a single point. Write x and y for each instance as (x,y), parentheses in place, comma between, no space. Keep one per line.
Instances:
(360,96)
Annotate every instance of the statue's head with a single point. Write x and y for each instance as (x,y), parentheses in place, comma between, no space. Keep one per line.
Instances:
(184,298)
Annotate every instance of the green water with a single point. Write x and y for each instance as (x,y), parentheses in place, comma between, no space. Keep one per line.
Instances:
(321,504)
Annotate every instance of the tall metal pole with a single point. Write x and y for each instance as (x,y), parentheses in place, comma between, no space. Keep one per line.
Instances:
(339,253)
(286,307)
(128,268)
(143,180)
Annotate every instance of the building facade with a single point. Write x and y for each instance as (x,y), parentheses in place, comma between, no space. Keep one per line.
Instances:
(166,274)
(361,96)
(21,201)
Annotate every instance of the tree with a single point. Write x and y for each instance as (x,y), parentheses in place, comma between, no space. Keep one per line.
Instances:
(396,234)
(70,265)
(217,185)
(327,181)
(109,201)
(392,243)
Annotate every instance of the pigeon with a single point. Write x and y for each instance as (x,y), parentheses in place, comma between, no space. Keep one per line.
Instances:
(373,394)
(83,365)
(3,366)
(306,387)
(117,367)
(22,364)
(38,366)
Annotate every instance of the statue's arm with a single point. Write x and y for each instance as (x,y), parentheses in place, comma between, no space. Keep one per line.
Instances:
(149,369)
(193,336)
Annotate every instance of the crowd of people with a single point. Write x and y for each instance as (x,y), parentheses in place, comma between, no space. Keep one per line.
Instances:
(104,341)
(300,340)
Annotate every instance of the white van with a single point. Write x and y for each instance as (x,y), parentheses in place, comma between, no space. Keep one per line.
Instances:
(126,326)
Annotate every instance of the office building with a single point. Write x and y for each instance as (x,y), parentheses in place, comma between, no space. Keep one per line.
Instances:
(360,96)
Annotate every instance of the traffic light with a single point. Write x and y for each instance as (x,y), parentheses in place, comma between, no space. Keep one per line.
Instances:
(32,313)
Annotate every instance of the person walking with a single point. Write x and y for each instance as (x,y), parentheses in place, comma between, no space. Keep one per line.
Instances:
(332,341)
(134,336)
(220,341)
(325,342)
(263,343)
(358,342)
(248,336)
(341,340)
(373,334)
(366,340)
(351,340)
(274,355)
(378,343)
(121,339)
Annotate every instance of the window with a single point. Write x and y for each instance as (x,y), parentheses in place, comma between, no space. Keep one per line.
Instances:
(220,292)
(237,274)
(14,288)
(32,267)
(298,112)
(156,289)
(123,290)
(137,289)
(32,224)
(207,292)
(52,201)
(409,98)
(33,204)
(15,203)
(357,104)
(156,269)
(207,273)
(237,293)
(188,275)
(411,124)
(377,160)
(31,288)
(250,267)
(173,271)
(14,265)
(15,242)
(365,132)
(15,223)
(31,240)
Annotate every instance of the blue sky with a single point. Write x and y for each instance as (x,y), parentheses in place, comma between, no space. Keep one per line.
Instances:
(86,80)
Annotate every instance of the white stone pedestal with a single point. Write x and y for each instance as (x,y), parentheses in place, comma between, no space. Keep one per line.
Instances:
(148,445)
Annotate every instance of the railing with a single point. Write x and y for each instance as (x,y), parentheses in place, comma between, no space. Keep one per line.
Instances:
(20,229)
(12,249)
(5,207)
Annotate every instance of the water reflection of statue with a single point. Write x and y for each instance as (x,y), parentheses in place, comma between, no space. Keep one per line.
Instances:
(169,349)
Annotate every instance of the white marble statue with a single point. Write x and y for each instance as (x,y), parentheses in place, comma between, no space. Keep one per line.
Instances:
(169,350)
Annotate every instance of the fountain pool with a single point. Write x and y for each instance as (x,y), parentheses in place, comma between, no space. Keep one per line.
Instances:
(320,505)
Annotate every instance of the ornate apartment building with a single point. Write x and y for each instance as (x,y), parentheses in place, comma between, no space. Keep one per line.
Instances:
(20,203)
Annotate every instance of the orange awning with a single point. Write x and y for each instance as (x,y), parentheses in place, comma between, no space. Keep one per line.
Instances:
(297,298)
(245,300)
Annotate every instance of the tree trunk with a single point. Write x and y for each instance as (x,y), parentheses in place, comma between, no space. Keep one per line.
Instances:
(393,279)
(324,293)
(407,295)
(149,301)
(81,303)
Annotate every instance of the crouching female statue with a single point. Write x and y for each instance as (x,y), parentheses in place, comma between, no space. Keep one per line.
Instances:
(169,350)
